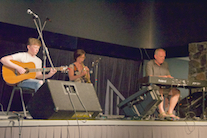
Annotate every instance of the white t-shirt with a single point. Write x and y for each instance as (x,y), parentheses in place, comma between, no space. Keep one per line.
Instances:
(25,57)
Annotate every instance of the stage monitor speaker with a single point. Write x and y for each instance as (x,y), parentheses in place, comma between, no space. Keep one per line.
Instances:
(142,103)
(64,100)
(192,105)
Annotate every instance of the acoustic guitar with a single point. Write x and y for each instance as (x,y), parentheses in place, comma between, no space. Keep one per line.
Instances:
(11,76)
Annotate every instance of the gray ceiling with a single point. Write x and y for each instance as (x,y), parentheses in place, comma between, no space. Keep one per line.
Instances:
(148,24)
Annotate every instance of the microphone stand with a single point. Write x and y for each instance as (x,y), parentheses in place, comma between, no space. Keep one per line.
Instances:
(45,50)
(96,73)
(41,29)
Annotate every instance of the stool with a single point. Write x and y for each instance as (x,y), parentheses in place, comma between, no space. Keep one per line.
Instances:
(21,90)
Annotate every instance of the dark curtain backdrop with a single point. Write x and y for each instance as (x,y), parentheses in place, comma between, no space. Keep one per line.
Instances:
(122,73)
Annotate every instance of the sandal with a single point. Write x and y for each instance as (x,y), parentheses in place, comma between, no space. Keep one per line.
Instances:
(162,115)
(173,116)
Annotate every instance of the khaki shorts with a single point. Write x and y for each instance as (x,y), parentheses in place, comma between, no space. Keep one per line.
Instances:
(167,90)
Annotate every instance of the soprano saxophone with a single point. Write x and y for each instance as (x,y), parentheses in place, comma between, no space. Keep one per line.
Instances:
(86,77)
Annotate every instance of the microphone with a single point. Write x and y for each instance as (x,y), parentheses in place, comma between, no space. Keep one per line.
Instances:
(97,61)
(32,13)
(91,70)
(48,19)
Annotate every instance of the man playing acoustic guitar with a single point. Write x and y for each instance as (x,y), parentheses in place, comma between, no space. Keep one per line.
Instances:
(33,47)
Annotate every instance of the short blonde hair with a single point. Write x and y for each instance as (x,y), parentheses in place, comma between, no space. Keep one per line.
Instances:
(34,41)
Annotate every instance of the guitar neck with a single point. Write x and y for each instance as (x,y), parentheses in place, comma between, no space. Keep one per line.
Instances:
(41,69)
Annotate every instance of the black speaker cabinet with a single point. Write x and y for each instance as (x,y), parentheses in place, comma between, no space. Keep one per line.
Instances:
(192,105)
(64,100)
(142,103)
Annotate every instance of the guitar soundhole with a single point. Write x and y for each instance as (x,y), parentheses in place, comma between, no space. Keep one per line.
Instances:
(27,70)
(16,72)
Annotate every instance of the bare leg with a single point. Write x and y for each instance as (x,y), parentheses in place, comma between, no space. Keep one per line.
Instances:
(160,106)
(166,103)
(173,101)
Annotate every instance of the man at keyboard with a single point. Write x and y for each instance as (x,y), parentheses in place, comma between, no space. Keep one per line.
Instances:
(159,67)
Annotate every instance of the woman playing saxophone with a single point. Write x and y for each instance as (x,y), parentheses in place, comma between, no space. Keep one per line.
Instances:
(78,72)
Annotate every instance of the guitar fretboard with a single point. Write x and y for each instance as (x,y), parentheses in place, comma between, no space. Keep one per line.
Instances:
(46,69)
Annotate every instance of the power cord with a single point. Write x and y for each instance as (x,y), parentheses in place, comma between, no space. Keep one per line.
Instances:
(147,54)
(19,117)
(74,111)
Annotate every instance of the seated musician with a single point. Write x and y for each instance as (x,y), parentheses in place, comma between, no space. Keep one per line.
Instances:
(158,67)
(78,72)
(33,47)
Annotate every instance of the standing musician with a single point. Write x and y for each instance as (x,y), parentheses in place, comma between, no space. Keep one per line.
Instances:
(33,47)
(78,72)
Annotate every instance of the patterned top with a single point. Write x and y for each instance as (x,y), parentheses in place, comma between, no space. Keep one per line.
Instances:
(77,72)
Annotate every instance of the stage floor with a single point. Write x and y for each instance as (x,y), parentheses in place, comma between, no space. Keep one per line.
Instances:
(11,126)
